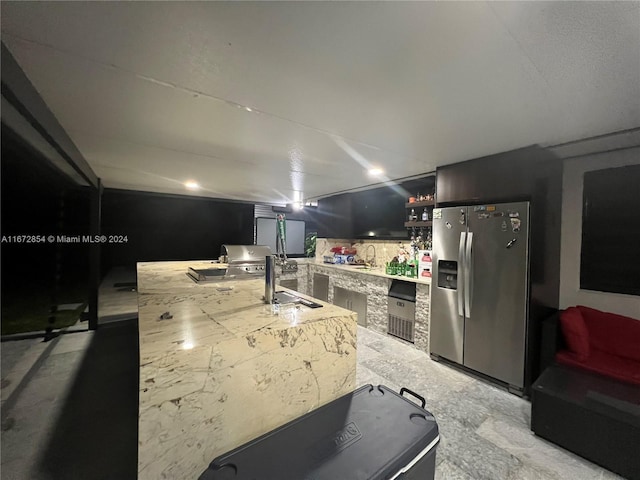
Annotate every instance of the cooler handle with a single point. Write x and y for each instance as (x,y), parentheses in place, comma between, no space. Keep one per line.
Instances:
(403,389)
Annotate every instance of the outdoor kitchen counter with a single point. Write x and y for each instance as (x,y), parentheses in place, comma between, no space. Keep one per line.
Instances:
(227,367)
(375,271)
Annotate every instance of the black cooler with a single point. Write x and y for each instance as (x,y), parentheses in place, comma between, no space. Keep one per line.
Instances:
(372,433)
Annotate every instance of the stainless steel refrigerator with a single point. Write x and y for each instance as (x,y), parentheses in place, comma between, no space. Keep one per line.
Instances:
(479,289)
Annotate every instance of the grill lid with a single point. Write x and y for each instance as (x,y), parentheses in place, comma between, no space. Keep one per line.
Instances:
(245,254)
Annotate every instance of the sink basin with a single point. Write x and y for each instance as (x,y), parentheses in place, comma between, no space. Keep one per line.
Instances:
(284,298)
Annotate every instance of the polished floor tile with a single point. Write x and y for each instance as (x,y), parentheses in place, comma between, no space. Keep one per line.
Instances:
(484,430)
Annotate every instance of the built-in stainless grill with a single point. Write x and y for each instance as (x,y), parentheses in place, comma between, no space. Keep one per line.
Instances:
(242,262)
(245,260)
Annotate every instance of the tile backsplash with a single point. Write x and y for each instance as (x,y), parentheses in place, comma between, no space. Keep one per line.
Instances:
(385,250)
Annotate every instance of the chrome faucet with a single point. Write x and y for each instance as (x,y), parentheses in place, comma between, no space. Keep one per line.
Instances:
(371,262)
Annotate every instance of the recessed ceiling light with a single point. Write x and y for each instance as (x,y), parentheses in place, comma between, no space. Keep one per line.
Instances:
(376,172)
(248,109)
(191,185)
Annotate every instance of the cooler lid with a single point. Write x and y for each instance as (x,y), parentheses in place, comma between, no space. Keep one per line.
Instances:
(369,434)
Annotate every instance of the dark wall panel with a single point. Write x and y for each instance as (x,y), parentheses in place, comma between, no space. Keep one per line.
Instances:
(38,200)
(165,227)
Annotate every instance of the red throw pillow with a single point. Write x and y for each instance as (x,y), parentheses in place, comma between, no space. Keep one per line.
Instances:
(575,333)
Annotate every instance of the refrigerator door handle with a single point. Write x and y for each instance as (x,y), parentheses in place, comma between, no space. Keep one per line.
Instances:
(461,272)
(468,275)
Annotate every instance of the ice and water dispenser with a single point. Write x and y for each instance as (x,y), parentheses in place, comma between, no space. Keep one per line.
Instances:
(448,274)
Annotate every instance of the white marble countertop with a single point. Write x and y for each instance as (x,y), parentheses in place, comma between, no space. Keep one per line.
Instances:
(239,301)
(226,367)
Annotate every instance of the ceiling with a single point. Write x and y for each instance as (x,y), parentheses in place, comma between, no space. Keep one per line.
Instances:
(258,101)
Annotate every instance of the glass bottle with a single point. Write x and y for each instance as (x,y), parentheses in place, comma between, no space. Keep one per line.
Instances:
(429,242)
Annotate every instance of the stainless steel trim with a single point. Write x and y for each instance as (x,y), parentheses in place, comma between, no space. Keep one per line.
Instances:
(321,286)
(446,328)
(468,275)
(270,279)
(495,335)
(461,272)
(401,318)
(401,308)
(245,254)
(401,328)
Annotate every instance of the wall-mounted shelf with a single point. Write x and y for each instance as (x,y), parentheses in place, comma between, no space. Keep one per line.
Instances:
(418,224)
(425,203)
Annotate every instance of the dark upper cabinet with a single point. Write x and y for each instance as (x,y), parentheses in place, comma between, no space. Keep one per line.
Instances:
(378,213)
(334,217)
(506,176)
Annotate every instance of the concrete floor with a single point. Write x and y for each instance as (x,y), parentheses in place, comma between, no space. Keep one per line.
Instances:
(42,375)
(42,381)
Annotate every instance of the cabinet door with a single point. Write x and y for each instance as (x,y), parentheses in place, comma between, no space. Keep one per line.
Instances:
(359,305)
(354,301)
(517,172)
(341,297)
(321,287)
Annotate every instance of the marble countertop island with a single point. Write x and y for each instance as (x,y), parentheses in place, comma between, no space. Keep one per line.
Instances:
(218,367)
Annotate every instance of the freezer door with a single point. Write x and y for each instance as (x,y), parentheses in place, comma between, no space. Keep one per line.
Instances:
(447,321)
(497,294)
